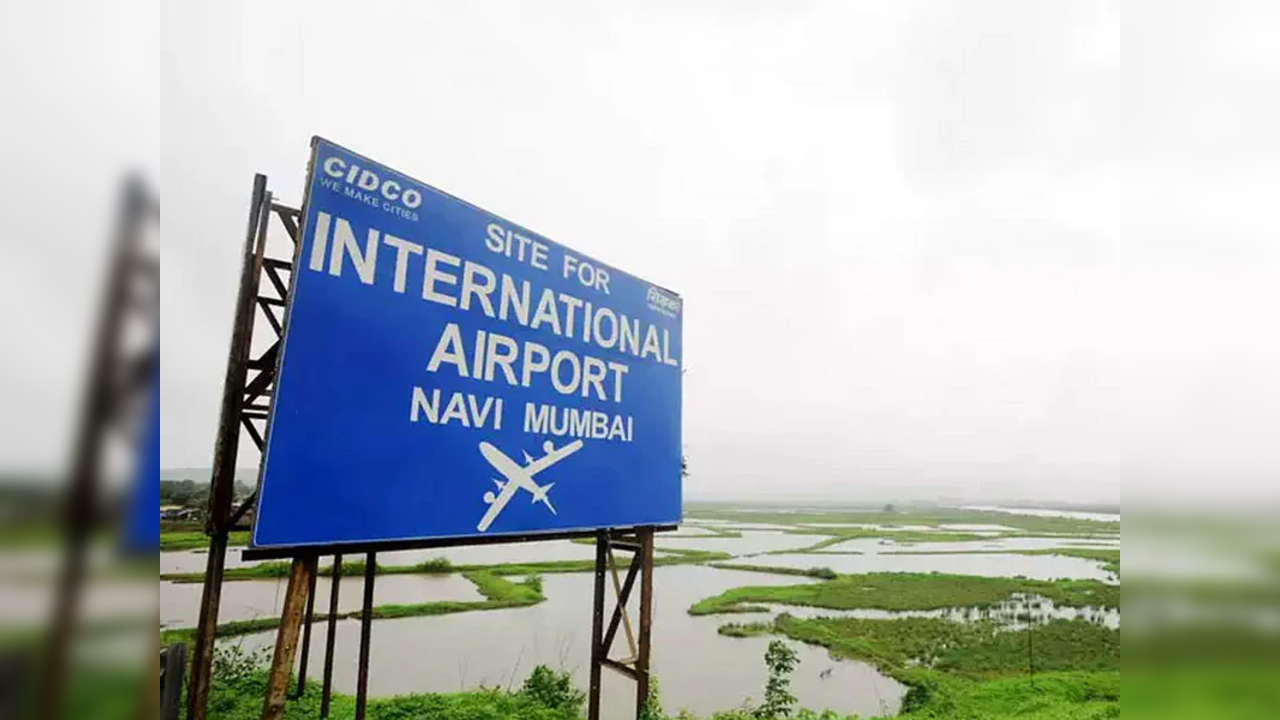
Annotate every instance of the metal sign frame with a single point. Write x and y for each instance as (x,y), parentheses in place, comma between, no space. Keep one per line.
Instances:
(248,388)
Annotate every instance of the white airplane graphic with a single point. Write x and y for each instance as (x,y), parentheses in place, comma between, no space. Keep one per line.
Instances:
(520,477)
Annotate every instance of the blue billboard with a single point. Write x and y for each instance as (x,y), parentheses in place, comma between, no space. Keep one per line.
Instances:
(446,373)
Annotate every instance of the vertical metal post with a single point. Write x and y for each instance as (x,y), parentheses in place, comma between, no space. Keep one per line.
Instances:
(598,651)
(646,618)
(307,617)
(366,622)
(287,638)
(327,687)
(98,405)
(226,447)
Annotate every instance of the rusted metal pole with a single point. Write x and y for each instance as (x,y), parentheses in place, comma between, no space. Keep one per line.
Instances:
(598,651)
(226,448)
(646,619)
(327,687)
(287,638)
(100,403)
(306,628)
(366,623)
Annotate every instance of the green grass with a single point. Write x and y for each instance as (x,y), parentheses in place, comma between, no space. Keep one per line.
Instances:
(824,573)
(839,535)
(196,539)
(746,629)
(1056,645)
(710,531)
(241,699)
(498,592)
(913,591)
(1109,557)
(1050,696)
(228,629)
(976,650)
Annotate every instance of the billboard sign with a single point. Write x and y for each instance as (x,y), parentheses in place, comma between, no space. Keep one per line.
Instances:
(446,373)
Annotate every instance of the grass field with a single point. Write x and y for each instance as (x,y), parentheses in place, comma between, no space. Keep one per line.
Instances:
(1109,557)
(972,669)
(498,592)
(194,539)
(912,591)
(824,573)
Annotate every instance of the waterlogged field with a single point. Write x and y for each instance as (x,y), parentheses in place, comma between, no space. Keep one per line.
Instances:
(907,613)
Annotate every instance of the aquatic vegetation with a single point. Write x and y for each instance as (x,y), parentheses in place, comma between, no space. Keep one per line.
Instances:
(746,629)
(498,592)
(190,540)
(824,573)
(1109,557)
(914,591)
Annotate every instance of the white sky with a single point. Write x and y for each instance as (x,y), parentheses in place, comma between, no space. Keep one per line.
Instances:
(965,249)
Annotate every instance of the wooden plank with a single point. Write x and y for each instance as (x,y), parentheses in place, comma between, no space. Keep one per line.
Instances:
(306,629)
(295,600)
(175,663)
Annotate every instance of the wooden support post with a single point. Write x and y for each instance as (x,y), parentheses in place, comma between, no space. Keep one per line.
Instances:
(645,556)
(598,651)
(226,449)
(287,638)
(307,617)
(366,622)
(327,688)
(175,662)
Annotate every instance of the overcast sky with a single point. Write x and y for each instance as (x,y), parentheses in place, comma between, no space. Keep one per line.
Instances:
(966,249)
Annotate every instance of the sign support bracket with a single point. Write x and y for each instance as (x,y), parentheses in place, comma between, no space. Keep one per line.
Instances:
(636,665)
(240,409)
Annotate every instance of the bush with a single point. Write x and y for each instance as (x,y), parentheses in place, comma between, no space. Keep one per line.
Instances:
(781,660)
(534,582)
(436,565)
(232,664)
(554,690)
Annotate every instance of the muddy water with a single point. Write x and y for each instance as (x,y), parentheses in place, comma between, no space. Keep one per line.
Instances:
(1048,512)
(751,542)
(249,599)
(878,546)
(697,668)
(192,561)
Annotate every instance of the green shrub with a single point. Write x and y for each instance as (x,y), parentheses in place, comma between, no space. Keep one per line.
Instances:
(436,565)
(555,690)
